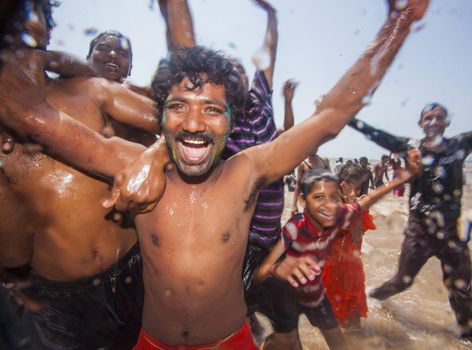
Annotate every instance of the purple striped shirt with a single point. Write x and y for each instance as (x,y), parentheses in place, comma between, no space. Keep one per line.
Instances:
(258,127)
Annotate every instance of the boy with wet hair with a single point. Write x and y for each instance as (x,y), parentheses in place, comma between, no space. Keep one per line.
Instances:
(434,210)
(193,242)
(111,54)
(310,235)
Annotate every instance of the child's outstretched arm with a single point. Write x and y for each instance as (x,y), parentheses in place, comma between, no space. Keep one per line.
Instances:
(296,271)
(405,175)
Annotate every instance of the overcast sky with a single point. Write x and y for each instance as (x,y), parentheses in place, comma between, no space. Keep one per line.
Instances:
(318,41)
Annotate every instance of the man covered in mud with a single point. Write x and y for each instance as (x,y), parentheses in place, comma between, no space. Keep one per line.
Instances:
(84,266)
(435,208)
(193,242)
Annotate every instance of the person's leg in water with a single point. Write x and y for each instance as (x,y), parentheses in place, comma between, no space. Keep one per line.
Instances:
(334,338)
(276,300)
(323,318)
(280,306)
(415,252)
(456,268)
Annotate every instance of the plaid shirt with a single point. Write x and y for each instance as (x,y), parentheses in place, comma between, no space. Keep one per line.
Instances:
(302,238)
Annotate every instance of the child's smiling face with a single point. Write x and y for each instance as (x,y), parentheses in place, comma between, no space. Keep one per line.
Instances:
(322,203)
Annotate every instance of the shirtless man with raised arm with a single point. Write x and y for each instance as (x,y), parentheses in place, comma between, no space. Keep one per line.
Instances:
(193,242)
(87,267)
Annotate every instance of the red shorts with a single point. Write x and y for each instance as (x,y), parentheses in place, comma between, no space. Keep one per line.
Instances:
(241,339)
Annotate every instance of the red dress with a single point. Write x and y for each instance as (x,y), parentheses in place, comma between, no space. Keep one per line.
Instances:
(343,274)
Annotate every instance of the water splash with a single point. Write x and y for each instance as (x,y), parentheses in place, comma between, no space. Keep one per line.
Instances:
(427,160)
(437,187)
(400,4)
(460,154)
(360,125)
(439,171)
(137,181)
(90,31)
(262,59)
(124,43)
(28,40)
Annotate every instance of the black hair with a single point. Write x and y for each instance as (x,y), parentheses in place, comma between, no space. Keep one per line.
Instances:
(200,65)
(352,172)
(114,33)
(312,177)
(430,106)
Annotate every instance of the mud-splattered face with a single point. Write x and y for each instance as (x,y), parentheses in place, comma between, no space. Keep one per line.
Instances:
(322,203)
(196,124)
(434,122)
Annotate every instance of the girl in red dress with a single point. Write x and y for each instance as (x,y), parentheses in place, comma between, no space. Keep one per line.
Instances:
(343,274)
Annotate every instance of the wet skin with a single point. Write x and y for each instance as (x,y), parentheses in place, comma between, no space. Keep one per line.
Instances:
(72,237)
(193,242)
(196,126)
(196,297)
(111,58)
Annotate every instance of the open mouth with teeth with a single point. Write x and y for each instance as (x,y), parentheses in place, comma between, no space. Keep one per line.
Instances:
(112,66)
(327,215)
(194,151)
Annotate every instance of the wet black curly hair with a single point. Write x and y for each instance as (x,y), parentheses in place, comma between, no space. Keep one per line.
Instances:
(200,65)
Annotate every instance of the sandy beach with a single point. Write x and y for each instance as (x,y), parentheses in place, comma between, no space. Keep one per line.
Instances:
(418,318)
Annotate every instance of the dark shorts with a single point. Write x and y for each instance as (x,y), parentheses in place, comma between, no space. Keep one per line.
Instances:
(274,298)
(378,183)
(321,316)
(101,312)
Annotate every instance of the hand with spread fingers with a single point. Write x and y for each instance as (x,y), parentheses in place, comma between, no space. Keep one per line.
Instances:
(297,271)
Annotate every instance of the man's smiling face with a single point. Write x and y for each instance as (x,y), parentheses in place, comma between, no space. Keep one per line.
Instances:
(196,124)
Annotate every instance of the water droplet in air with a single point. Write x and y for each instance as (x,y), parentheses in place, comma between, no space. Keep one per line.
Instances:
(427,160)
(460,284)
(437,187)
(406,279)
(124,43)
(28,40)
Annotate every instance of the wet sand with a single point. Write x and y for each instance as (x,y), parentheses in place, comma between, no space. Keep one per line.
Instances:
(418,318)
